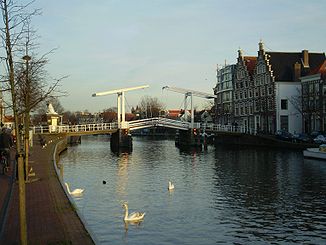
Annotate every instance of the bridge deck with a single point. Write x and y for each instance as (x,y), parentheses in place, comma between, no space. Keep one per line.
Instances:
(109,128)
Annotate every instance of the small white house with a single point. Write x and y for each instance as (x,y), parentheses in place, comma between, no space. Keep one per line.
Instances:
(288,115)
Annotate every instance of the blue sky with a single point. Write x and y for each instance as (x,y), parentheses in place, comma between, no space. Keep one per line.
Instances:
(110,44)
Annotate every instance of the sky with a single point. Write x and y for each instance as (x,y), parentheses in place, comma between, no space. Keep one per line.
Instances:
(110,44)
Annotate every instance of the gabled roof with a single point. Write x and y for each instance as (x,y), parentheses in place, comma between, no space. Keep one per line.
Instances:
(283,64)
(8,118)
(320,70)
(250,62)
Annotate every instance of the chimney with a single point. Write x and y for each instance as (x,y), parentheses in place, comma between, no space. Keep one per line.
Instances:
(305,60)
(240,57)
(297,71)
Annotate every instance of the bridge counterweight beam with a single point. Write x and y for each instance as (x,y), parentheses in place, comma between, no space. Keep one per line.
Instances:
(192,111)
(123,112)
(119,109)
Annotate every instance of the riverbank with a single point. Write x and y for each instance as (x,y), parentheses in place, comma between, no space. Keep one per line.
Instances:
(51,219)
(239,139)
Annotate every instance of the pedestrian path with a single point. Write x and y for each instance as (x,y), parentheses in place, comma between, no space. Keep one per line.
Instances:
(50,217)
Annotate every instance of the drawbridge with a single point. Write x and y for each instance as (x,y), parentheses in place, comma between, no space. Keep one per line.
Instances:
(108,128)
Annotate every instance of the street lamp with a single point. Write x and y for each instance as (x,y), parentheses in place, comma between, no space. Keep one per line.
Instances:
(27,58)
(21,179)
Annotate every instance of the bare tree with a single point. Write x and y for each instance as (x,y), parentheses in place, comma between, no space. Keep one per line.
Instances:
(150,107)
(14,17)
(32,82)
(110,115)
(24,80)
(297,103)
(41,109)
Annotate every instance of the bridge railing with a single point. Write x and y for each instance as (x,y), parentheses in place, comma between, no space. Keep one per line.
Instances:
(162,121)
(74,128)
(157,121)
(210,127)
(143,123)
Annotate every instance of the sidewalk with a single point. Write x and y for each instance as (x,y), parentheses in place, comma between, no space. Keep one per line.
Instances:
(50,217)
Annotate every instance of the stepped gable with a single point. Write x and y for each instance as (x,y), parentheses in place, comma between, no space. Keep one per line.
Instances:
(250,62)
(283,63)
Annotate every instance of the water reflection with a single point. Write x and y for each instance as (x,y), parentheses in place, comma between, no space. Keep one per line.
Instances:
(122,175)
(264,192)
(250,196)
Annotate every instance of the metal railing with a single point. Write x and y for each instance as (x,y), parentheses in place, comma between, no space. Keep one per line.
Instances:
(142,123)
(211,127)
(94,127)
(157,121)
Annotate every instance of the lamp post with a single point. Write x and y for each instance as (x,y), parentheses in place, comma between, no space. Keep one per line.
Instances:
(21,179)
(27,58)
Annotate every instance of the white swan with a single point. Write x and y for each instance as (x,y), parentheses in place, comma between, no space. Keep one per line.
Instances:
(76,192)
(135,216)
(171,186)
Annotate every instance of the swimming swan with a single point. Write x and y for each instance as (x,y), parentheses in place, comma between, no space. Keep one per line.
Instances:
(76,192)
(171,186)
(135,216)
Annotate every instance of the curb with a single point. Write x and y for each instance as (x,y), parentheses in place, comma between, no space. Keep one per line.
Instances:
(72,202)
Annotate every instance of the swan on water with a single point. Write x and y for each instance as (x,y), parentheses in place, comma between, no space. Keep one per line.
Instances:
(76,192)
(171,186)
(135,216)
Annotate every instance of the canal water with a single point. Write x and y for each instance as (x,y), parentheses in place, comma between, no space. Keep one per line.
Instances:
(225,195)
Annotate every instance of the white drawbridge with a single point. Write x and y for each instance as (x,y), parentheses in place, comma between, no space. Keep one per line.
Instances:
(120,102)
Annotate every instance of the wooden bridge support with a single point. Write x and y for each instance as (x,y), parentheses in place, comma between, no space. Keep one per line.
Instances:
(121,141)
(188,138)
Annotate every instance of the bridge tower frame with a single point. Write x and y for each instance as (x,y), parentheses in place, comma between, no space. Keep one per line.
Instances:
(190,93)
(120,102)
(121,140)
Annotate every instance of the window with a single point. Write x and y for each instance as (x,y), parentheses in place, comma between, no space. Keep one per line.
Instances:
(284,123)
(284,104)
(256,92)
(270,104)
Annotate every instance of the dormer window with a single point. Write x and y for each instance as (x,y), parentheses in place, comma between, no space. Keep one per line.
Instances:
(284,104)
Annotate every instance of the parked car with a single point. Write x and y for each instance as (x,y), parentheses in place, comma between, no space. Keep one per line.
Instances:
(320,139)
(304,138)
(284,135)
(314,134)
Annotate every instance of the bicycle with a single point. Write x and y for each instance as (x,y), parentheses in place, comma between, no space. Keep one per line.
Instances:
(3,162)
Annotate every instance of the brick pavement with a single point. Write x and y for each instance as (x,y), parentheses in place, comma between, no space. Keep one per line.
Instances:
(50,217)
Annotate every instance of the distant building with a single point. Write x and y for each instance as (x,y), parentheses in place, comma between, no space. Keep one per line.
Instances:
(223,90)
(314,99)
(174,114)
(9,121)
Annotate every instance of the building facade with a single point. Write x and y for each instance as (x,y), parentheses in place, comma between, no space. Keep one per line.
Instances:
(243,92)
(267,87)
(224,92)
(314,100)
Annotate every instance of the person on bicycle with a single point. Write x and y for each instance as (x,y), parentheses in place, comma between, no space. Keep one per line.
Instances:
(6,143)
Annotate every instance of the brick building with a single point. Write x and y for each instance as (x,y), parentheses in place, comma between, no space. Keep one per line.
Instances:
(267,87)
(314,99)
